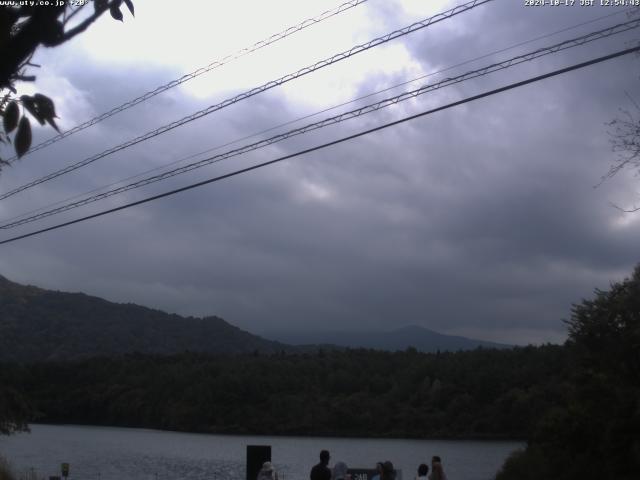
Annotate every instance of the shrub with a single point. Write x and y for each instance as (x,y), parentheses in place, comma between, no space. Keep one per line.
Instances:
(6,473)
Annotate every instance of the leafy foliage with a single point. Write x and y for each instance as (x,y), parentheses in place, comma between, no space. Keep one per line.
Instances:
(6,473)
(15,411)
(600,417)
(11,115)
(23,28)
(529,464)
(23,137)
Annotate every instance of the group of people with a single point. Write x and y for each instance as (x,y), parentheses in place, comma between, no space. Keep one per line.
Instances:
(384,470)
(437,472)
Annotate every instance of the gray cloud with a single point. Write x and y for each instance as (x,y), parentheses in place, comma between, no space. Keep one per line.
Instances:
(478,220)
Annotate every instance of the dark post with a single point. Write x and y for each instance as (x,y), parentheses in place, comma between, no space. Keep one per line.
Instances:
(256,456)
(64,468)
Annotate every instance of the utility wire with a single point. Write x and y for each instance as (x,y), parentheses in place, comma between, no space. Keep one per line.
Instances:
(196,73)
(274,83)
(299,119)
(575,42)
(334,142)
(316,113)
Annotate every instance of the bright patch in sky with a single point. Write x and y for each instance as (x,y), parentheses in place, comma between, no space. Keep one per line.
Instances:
(314,191)
(201,33)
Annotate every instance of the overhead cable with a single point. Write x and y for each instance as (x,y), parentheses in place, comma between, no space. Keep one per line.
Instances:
(311,115)
(196,73)
(269,85)
(527,57)
(331,143)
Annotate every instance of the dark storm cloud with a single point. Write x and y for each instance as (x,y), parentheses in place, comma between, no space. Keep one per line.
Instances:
(481,219)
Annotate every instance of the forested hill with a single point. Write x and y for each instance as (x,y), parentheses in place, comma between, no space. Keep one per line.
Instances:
(44,325)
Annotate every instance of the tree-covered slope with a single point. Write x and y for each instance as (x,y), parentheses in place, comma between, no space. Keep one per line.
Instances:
(41,325)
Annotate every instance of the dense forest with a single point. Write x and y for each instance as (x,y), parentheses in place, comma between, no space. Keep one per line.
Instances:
(481,393)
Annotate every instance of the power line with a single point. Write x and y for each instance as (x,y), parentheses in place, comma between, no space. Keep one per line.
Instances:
(267,86)
(332,143)
(575,42)
(200,71)
(316,113)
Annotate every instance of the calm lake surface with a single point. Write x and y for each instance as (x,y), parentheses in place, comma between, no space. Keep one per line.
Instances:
(109,453)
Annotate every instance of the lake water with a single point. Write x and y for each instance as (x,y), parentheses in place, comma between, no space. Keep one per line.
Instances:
(109,453)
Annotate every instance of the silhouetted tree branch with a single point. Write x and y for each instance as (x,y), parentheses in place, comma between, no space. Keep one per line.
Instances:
(625,141)
(625,137)
(22,30)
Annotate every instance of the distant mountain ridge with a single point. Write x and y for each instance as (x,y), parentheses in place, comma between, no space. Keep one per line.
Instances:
(45,325)
(420,338)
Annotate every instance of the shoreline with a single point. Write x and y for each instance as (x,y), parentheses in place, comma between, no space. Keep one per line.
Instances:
(453,438)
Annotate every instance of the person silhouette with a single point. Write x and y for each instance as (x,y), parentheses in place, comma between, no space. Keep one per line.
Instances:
(267,472)
(321,471)
(423,470)
(437,472)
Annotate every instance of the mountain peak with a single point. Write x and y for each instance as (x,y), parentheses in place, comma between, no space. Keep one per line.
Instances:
(421,338)
(413,329)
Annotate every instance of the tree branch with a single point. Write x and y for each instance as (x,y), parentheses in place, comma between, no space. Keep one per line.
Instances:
(68,35)
(74,13)
(631,210)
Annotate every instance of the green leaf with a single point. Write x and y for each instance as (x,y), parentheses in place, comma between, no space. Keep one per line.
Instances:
(32,107)
(11,114)
(23,137)
(42,109)
(114,9)
(45,106)
(129,5)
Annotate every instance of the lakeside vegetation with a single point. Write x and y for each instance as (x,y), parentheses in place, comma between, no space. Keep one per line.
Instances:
(481,393)
(594,432)
(6,473)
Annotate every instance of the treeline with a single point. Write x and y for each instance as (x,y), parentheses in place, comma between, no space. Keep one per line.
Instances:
(481,393)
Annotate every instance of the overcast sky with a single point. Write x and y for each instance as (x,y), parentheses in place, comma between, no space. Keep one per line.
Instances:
(481,220)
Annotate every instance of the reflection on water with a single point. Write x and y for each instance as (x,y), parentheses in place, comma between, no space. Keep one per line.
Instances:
(106,453)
